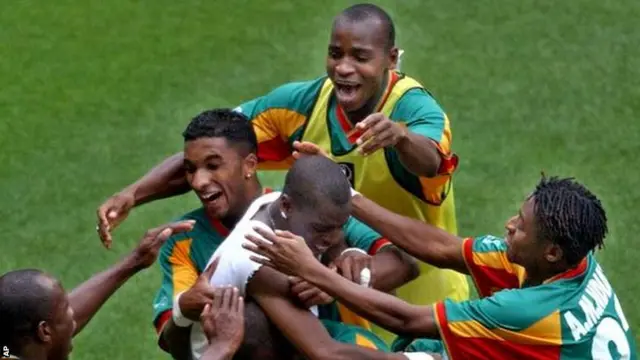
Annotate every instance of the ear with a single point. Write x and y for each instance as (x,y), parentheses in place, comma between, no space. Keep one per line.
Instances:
(250,165)
(285,204)
(553,253)
(393,58)
(45,334)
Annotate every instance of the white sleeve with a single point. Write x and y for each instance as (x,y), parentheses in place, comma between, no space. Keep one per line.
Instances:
(235,267)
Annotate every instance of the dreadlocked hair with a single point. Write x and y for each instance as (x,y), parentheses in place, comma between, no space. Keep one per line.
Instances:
(568,214)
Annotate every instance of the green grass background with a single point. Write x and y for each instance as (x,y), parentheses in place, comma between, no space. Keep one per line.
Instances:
(93,93)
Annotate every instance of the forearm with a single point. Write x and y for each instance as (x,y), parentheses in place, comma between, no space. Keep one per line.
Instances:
(164,180)
(88,297)
(392,269)
(383,309)
(218,351)
(419,155)
(425,242)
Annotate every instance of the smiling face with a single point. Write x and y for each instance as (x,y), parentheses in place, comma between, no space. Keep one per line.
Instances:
(217,173)
(358,59)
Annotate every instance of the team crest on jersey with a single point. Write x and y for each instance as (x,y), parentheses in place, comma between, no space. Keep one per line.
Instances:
(348,171)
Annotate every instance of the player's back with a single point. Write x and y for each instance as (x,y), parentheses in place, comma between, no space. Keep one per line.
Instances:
(593,323)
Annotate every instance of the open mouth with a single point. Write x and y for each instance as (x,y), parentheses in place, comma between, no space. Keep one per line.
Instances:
(347,90)
(210,197)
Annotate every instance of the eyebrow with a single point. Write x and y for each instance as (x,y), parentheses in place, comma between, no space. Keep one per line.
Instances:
(213,157)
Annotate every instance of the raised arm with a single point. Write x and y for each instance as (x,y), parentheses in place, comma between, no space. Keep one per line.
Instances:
(423,241)
(270,289)
(164,180)
(88,297)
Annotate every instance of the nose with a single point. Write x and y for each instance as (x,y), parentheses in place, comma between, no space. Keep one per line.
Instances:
(200,180)
(509,226)
(344,68)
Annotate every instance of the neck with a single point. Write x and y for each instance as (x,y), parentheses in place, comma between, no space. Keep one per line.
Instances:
(252,192)
(32,353)
(370,106)
(539,276)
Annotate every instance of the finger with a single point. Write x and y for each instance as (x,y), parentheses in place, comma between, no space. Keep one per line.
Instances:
(105,235)
(285,234)
(267,234)
(345,269)
(217,298)
(356,270)
(296,155)
(206,311)
(301,287)
(162,237)
(369,121)
(227,293)
(262,261)
(378,142)
(233,305)
(293,280)
(257,241)
(211,269)
(240,306)
(308,294)
(182,226)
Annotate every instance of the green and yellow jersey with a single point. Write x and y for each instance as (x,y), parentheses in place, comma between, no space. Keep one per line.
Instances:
(574,315)
(185,256)
(308,111)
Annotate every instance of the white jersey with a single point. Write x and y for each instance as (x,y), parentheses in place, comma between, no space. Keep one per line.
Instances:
(235,267)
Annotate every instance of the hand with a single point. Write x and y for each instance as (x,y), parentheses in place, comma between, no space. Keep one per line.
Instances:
(287,253)
(308,294)
(307,148)
(193,301)
(223,321)
(146,253)
(379,132)
(111,213)
(350,265)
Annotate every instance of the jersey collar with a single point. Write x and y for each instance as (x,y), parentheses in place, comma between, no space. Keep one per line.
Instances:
(571,273)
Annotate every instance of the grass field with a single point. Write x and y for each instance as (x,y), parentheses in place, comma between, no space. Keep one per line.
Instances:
(93,93)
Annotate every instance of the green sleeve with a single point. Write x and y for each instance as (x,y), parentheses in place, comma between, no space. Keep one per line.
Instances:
(359,235)
(421,113)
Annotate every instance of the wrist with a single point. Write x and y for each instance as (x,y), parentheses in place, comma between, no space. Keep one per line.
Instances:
(132,264)
(178,318)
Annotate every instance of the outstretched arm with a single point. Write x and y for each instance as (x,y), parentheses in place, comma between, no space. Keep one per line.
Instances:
(423,241)
(289,253)
(270,289)
(88,297)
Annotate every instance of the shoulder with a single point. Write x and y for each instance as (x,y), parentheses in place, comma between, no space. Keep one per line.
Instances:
(486,243)
(296,96)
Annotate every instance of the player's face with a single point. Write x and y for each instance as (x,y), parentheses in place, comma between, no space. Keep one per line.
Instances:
(62,325)
(217,172)
(522,246)
(321,226)
(357,61)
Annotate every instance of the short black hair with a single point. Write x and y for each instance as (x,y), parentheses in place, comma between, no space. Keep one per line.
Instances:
(568,214)
(24,303)
(314,179)
(365,11)
(225,123)
(262,340)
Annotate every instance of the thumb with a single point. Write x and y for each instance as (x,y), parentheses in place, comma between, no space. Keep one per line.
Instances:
(112,214)
(208,272)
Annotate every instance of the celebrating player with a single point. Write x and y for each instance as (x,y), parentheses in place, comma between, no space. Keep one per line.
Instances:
(220,160)
(38,318)
(560,304)
(318,208)
(387,132)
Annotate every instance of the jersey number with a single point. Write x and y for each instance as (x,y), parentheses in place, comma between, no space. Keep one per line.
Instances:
(610,331)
